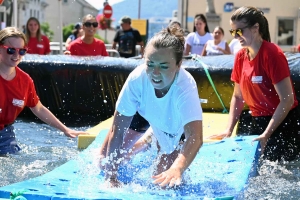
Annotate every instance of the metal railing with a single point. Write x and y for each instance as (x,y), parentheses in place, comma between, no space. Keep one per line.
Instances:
(55,49)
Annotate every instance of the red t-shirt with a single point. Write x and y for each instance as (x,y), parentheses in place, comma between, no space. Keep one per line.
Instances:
(15,95)
(258,77)
(36,47)
(79,48)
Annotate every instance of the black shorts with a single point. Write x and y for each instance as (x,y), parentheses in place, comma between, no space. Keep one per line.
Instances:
(284,143)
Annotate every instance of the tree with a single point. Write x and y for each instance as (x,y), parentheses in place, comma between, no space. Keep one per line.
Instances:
(45,28)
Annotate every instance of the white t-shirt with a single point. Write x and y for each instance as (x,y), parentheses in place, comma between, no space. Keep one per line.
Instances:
(167,115)
(211,48)
(197,41)
(235,46)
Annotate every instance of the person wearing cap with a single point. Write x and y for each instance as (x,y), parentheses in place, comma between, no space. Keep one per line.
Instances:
(127,38)
(76,33)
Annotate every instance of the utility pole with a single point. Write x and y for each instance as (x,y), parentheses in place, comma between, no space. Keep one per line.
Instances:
(139,9)
(60,28)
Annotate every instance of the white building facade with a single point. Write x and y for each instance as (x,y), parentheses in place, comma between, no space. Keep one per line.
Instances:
(48,11)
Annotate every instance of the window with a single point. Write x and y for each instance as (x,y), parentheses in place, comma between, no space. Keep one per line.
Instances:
(285,33)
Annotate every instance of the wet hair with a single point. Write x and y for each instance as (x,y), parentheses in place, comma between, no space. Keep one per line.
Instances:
(250,16)
(221,29)
(202,18)
(87,17)
(172,38)
(38,34)
(11,32)
(173,23)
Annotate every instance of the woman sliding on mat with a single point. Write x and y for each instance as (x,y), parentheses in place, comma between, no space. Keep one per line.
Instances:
(262,80)
(17,91)
(166,95)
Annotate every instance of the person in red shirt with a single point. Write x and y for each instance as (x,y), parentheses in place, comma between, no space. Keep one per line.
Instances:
(37,43)
(88,45)
(18,90)
(262,79)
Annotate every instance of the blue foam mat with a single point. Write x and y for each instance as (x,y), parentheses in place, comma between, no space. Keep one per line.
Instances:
(219,171)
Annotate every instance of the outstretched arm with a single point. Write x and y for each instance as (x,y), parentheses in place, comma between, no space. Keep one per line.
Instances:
(194,140)
(114,141)
(46,116)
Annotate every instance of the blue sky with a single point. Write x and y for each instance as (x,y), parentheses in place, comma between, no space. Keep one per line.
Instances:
(99,3)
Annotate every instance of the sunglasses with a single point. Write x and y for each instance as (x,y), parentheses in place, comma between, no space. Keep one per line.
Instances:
(89,24)
(238,31)
(12,50)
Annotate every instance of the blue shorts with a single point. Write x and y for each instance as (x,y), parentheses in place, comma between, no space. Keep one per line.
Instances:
(8,143)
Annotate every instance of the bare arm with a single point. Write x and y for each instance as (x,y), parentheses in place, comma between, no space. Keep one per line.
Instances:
(236,108)
(172,176)
(286,96)
(142,47)
(67,43)
(203,53)
(194,135)
(187,50)
(114,144)
(114,46)
(46,116)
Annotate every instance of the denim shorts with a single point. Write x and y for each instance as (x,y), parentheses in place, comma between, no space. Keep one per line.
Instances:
(8,143)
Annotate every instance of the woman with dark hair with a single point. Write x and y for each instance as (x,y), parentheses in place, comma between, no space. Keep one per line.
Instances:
(76,33)
(196,40)
(217,46)
(37,43)
(262,79)
(159,85)
(87,44)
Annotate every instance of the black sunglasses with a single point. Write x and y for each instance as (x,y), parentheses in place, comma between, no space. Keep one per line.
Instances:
(238,31)
(89,24)
(12,50)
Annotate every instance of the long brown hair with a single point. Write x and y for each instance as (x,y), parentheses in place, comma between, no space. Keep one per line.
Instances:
(38,34)
(11,32)
(250,16)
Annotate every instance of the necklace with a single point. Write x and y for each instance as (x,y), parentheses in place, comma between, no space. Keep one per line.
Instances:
(7,75)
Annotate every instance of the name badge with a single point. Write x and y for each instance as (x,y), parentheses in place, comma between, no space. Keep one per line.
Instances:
(257,79)
(40,46)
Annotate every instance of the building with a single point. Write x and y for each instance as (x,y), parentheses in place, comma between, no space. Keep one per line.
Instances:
(72,12)
(48,11)
(30,8)
(283,17)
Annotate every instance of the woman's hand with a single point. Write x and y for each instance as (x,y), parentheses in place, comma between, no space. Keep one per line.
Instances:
(114,183)
(73,133)
(170,177)
(263,139)
(221,136)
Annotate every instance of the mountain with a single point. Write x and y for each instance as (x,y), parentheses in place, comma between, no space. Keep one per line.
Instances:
(149,9)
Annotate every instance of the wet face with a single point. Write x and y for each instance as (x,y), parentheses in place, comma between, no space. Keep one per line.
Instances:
(90,27)
(243,32)
(199,25)
(33,27)
(11,60)
(161,67)
(218,35)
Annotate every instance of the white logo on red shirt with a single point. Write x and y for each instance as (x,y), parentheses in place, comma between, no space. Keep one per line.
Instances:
(40,46)
(0,110)
(17,102)
(257,79)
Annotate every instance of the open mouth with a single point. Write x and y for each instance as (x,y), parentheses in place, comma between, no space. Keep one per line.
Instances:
(156,80)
